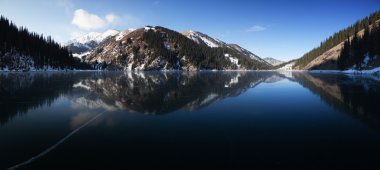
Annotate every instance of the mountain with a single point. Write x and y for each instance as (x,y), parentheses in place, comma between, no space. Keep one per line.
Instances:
(201,38)
(159,48)
(273,61)
(21,50)
(86,43)
(326,56)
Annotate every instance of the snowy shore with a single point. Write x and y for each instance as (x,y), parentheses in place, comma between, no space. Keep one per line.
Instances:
(375,71)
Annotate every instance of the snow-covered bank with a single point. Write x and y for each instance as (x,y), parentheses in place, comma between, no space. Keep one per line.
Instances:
(375,71)
(287,67)
(47,70)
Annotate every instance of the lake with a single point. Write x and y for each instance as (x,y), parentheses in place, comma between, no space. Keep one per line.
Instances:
(189,120)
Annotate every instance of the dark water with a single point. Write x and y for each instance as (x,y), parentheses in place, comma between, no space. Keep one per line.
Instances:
(176,120)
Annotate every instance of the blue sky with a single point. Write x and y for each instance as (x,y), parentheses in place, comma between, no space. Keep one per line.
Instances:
(282,29)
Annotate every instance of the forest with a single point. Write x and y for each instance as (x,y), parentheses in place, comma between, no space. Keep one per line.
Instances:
(361,52)
(21,49)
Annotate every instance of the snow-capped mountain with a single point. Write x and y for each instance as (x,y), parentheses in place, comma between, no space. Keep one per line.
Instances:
(95,36)
(201,38)
(86,43)
(273,61)
(159,48)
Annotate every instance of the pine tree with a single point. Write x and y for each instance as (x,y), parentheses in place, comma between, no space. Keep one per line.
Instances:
(344,56)
(377,41)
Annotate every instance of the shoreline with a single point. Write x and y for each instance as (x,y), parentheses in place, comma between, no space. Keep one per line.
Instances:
(375,71)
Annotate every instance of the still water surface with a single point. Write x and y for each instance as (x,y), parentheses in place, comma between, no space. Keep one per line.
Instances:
(177,120)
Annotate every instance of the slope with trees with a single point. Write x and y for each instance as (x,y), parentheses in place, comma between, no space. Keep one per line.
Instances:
(23,50)
(361,52)
(333,45)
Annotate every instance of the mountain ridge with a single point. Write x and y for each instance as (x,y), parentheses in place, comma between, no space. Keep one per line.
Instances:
(83,44)
(273,61)
(90,43)
(159,48)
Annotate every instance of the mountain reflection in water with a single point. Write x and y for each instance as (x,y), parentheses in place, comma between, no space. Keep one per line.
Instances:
(154,93)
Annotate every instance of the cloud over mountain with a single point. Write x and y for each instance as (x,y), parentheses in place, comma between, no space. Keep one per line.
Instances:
(88,21)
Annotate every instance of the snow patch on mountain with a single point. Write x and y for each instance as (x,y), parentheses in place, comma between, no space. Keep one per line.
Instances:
(147,28)
(201,38)
(273,61)
(209,43)
(123,34)
(80,56)
(246,52)
(287,66)
(94,36)
(86,43)
(233,60)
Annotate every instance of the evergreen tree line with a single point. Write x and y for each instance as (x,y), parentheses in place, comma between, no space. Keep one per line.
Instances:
(336,39)
(17,44)
(200,55)
(355,50)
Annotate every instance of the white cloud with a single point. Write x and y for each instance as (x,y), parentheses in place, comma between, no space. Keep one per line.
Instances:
(87,21)
(256,28)
(84,22)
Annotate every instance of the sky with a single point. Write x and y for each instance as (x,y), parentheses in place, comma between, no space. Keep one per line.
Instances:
(282,29)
